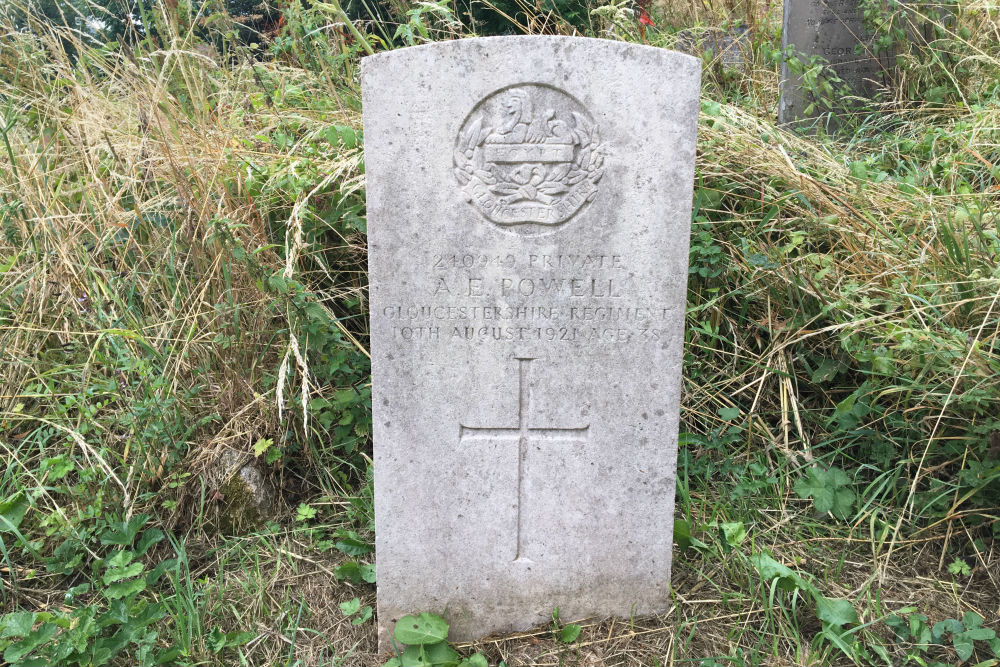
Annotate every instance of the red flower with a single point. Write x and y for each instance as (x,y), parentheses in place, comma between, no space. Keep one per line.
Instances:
(644,18)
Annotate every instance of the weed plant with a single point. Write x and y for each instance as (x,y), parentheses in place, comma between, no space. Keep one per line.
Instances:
(183,290)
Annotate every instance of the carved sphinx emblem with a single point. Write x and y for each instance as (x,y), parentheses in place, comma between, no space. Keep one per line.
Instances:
(529,157)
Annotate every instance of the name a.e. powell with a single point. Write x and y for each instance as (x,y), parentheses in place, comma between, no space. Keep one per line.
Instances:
(504,287)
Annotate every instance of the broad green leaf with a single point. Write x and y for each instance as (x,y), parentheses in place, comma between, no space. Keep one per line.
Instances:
(949,626)
(441,654)
(152,613)
(149,538)
(124,588)
(57,467)
(919,631)
(682,533)
(164,566)
(899,626)
(979,634)
(423,629)
(17,624)
(119,560)
(170,657)
(12,512)
(682,536)
(843,503)
(972,620)
(734,533)
(963,647)
(115,643)
(216,640)
(118,574)
(238,638)
(363,615)
(828,490)
(836,611)
(16,652)
(474,660)
(351,543)
(959,568)
(728,414)
(771,569)
(350,607)
(827,370)
(413,656)
(355,572)
(569,633)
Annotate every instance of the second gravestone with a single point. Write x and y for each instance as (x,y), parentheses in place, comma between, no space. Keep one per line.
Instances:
(529,203)
(833,29)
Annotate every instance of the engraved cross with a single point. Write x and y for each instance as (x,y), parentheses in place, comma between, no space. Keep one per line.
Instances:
(524,434)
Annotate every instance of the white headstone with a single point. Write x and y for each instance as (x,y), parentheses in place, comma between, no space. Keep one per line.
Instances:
(529,204)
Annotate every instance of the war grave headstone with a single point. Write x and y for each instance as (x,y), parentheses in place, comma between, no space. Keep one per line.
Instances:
(726,46)
(833,29)
(529,205)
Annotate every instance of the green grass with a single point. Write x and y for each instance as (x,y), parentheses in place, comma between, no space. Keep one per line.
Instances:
(183,292)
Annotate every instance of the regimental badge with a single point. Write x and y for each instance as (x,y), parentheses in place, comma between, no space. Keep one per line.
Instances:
(529,158)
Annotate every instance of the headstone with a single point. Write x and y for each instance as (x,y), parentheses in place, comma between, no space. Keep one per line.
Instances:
(725,46)
(833,29)
(529,203)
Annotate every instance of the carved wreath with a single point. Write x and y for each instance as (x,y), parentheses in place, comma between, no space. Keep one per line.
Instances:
(539,182)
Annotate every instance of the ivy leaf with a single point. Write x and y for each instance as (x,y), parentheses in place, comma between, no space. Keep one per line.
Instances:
(836,611)
(423,629)
(828,490)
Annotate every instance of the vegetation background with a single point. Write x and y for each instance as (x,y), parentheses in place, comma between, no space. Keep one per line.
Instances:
(184,376)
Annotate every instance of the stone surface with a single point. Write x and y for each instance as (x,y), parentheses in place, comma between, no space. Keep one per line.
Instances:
(726,46)
(831,29)
(242,497)
(529,203)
